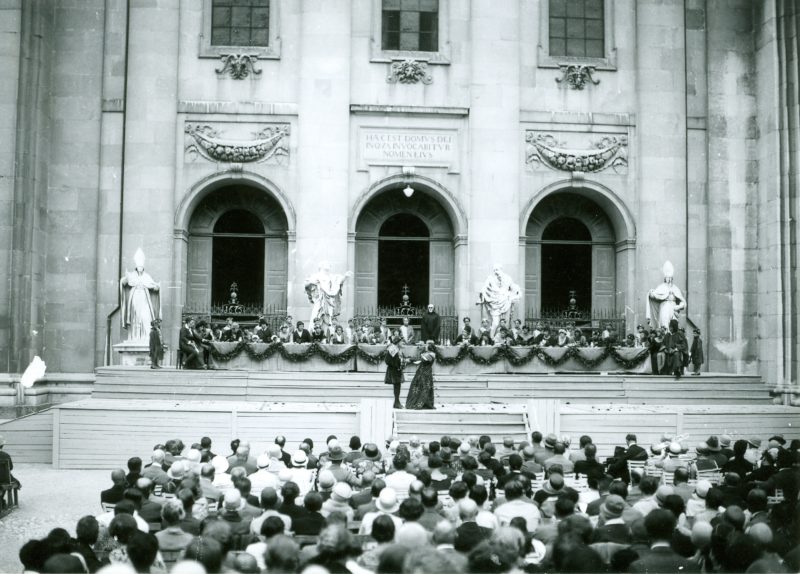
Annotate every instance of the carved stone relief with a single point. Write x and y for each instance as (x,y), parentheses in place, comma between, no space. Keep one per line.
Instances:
(544,151)
(576,75)
(409,71)
(270,142)
(239,66)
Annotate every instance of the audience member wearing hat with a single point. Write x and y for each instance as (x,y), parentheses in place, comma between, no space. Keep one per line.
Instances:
(299,474)
(264,477)
(231,513)
(341,473)
(715,451)
(542,455)
(613,527)
(386,504)
(339,501)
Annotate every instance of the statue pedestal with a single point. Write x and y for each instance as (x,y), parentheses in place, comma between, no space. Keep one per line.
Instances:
(133,353)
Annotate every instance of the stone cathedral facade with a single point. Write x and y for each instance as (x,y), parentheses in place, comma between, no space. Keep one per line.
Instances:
(578,143)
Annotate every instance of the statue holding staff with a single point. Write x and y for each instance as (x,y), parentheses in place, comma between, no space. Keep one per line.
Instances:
(665,302)
(141,300)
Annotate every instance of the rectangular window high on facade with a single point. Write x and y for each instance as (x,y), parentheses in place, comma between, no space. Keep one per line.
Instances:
(240,22)
(410,25)
(577,28)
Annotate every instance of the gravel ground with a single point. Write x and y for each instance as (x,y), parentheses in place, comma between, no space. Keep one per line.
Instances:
(49,498)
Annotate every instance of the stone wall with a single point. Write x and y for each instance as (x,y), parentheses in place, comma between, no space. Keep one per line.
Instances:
(689,88)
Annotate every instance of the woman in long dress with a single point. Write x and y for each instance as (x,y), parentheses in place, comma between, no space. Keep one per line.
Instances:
(420,394)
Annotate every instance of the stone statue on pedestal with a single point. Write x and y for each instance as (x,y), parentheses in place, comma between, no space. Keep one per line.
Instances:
(498,296)
(325,294)
(666,301)
(141,301)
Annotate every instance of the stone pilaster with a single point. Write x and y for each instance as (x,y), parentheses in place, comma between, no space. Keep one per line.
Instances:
(323,154)
(495,141)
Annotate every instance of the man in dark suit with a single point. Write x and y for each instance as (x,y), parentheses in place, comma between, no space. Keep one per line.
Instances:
(590,466)
(264,331)
(469,534)
(301,334)
(515,470)
(660,524)
(430,325)
(114,494)
(619,468)
(377,485)
(311,522)
(188,344)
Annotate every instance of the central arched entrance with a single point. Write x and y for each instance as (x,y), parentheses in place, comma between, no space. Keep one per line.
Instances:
(237,234)
(570,254)
(403,241)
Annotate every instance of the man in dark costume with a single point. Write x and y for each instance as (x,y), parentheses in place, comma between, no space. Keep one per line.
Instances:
(394,370)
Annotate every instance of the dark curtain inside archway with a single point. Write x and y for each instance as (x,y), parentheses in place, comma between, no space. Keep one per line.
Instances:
(403,259)
(566,264)
(238,257)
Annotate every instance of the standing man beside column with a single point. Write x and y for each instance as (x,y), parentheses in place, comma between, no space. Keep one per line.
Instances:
(430,326)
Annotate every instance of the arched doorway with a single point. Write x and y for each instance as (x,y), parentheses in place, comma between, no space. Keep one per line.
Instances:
(238,234)
(403,259)
(566,239)
(401,241)
(570,246)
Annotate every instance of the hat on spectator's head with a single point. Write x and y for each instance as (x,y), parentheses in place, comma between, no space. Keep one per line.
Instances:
(702,448)
(612,507)
(234,500)
(701,488)
(387,501)
(326,479)
(342,491)
(760,533)
(371,451)
(394,445)
(778,438)
(274,451)
(177,470)
(414,441)
(508,442)
(528,453)
(463,448)
(194,455)
(550,440)
(663,492)
(262,461)
(701,534)
(285,475)
(755,442)
(675,447)
(725,440)
(336,453)
(220,463)
(555,485)
(299,459)
(713,444)
(773,445)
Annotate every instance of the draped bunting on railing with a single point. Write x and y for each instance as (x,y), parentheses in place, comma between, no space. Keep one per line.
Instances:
(589,357)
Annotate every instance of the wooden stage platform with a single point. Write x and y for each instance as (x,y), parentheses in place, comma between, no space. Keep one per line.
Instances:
(104,433)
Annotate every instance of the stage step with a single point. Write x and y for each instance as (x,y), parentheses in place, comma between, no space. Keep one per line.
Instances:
(258,386)
(497,421)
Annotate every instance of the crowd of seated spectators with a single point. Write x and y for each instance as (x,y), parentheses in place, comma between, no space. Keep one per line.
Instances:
(447,506)
(377,332)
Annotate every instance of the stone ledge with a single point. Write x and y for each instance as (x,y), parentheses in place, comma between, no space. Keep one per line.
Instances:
(583,118)
(429,110)
(223,107)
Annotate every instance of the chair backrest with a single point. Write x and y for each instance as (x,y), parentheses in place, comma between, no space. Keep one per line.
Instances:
(306,540)
(107,506)
(170,557)
(712,475)
(154,527)
(5,472)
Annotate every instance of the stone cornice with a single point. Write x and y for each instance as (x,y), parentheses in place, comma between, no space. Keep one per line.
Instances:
(429,110)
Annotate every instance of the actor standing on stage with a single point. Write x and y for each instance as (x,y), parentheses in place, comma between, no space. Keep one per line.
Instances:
(394,370)
(420,394)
